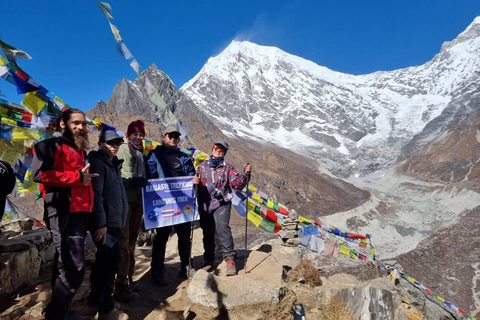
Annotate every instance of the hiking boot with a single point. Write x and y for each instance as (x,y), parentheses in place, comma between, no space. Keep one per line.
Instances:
(158,277)
(231,270)
(186,272)
(123,293)
(208,266)
(114,314)
(134,286)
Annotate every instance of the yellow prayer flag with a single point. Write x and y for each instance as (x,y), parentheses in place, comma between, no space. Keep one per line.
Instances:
(364,240)
(20,133)
(302,219)
(33,103)
(254,218)
(28,185)
(252,188)
(59,102)
(440,298)
(410,279)
(199,158)
(257,198)
(10,156)
(344,250)
(251,205)
(9,121)
(2,61)
(373,252)
(4,111)
(97,122)
(269,204)
(116,32)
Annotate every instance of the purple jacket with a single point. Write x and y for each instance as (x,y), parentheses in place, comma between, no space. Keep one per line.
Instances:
(225,178)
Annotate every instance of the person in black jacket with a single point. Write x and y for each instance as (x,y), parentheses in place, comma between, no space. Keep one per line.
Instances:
(163,162)
(8,183)
(109,215)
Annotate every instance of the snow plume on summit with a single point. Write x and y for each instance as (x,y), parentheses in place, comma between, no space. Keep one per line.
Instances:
(351,124)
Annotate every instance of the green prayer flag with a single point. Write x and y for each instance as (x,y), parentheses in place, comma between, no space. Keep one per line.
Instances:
(267,225)
(157,100)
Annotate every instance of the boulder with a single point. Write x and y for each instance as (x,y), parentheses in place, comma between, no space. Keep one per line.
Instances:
(260,283)
(14,245)
(19,225)
(18,269)
(42,239)
(227,293)
(376,299)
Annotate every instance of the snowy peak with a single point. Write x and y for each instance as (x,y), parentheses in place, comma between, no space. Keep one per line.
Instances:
(351,124)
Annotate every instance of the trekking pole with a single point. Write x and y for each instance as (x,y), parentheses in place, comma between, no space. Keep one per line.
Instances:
(192,227)
(246,223)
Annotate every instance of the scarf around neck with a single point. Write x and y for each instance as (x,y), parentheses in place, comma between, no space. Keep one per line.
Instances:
(215,162)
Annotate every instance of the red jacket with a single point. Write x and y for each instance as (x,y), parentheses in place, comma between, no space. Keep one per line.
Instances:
(56,164)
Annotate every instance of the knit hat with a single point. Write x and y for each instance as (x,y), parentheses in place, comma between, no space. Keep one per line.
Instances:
(136,126)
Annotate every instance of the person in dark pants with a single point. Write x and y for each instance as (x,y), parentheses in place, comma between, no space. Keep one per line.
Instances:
(109,216)
(216,178)
(8,183)
(134,175)
(163,162)
(59,164)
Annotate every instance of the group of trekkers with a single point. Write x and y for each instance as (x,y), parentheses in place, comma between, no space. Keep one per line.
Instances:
(102,193)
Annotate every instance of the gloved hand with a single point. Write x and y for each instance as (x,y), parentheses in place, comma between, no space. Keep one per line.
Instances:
(139,182)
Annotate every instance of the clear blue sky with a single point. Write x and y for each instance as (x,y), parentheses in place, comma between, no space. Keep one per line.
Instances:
(74,52)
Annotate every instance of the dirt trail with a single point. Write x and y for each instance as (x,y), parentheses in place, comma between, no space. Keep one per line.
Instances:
(168,302)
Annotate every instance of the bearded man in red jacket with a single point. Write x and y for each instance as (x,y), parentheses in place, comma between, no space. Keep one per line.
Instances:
(60,165)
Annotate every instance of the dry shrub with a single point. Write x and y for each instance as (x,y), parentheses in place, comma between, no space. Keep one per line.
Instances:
(336,309)
(281,310)
(411,313)
(306,271)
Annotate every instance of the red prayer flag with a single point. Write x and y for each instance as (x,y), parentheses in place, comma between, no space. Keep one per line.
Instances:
(271,216)
(277,228)
(22,75)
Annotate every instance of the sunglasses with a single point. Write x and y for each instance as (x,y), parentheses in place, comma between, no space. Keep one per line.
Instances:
(115,143)
(173,135)
(218,148)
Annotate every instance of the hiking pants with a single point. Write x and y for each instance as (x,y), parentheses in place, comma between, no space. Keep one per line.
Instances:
(128,241)
(217,221)
(68,233)
(102,277)
(160,243)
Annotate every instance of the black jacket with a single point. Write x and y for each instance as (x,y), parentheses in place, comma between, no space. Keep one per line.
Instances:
(110,204)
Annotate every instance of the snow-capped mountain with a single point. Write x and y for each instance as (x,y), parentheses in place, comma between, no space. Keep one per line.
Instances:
(351,124)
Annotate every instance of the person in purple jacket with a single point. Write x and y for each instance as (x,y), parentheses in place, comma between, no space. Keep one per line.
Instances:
(216,178)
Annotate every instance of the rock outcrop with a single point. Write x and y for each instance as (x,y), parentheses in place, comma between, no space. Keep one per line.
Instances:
(25,259)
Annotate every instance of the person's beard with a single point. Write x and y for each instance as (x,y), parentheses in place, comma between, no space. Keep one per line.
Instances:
(80,138)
